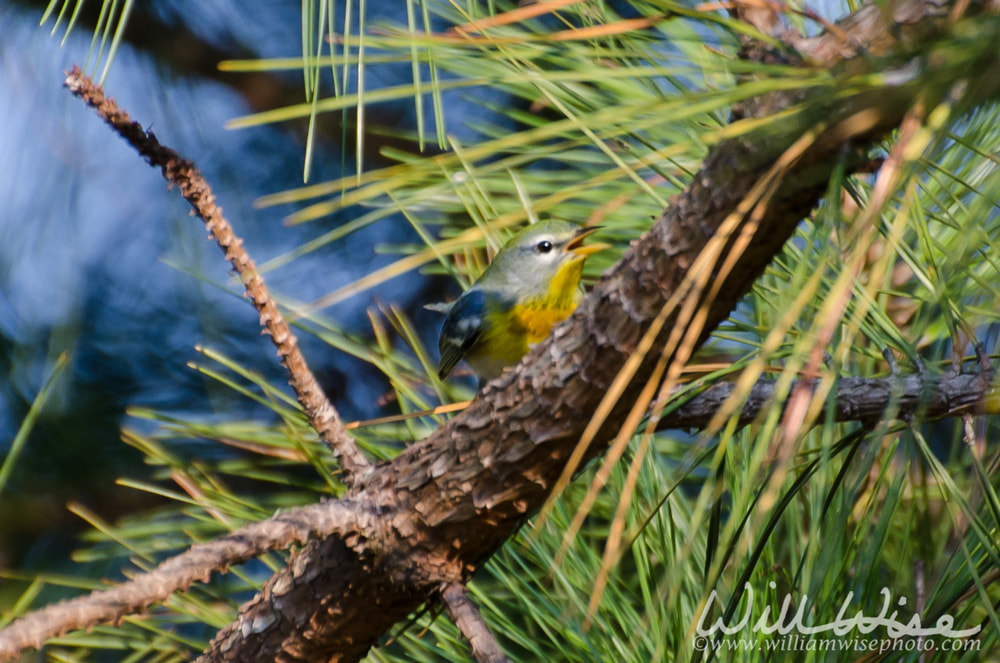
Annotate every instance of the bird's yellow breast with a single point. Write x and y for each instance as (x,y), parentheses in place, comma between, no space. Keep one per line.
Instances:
(533,318)
(535,322)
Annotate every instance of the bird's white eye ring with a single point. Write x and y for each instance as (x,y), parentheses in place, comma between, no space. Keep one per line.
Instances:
(543,246)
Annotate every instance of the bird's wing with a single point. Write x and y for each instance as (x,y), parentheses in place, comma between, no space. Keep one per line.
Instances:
(462,329)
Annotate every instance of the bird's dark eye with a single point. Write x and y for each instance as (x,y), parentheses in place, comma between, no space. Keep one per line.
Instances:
(543,246)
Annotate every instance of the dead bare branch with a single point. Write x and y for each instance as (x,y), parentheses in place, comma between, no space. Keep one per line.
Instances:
(183,174)
(178,573)
(866,400)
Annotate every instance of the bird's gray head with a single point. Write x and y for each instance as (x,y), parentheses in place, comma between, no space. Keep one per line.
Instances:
(534,256)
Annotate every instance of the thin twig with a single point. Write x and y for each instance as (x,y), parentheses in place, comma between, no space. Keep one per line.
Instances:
(183,174)
(178,573)
(470,622)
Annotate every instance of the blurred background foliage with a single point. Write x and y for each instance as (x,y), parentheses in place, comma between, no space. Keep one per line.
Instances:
(378,155)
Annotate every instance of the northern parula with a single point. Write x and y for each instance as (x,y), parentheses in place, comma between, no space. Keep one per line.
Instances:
(532,283)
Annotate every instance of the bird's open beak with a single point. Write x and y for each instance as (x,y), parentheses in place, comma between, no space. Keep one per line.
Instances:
(577,246)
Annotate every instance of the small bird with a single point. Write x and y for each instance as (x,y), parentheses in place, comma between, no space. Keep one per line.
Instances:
(532,283)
